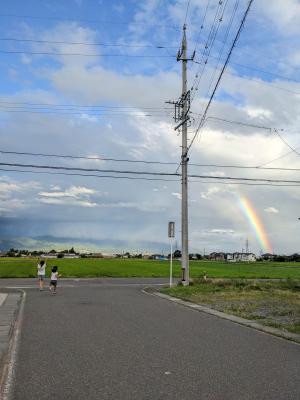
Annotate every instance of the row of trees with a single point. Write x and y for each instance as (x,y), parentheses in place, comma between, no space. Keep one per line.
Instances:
(18,253)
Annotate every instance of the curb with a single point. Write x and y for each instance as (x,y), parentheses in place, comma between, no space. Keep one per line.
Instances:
(241,321)
(9,315)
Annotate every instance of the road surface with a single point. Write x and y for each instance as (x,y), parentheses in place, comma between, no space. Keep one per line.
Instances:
(106,339)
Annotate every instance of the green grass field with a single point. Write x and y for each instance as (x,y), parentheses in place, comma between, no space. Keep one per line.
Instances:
(274,304)
(26,268)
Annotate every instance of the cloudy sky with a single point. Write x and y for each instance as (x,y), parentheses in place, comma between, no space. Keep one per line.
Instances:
(90,78)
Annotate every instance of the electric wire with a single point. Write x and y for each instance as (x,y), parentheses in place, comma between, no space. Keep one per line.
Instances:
(142,178)
(187,11)
(147,173)
(208,47)
(87,44)
(96,158)
(221,51)
(278,158)
(92,21)
(202,25)
(220,76)
(52,53)
(90,175)
(93,158)
(83,106)
(285,142)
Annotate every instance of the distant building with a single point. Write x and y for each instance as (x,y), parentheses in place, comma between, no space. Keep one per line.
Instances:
(233,257)
(217,256)
(68,255)
(242,257)
(160,257)
(268,256)
(45,255)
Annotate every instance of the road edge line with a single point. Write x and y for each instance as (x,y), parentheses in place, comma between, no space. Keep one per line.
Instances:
(8,371)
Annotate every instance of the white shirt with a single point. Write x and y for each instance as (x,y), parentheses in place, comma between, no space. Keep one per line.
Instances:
(41,269)
(54,276)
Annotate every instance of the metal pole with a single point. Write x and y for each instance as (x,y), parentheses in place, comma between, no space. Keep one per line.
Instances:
(184,169)
(171,263)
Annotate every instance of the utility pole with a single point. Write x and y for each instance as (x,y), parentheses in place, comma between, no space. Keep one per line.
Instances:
(184,168)
(182,108)
(247,246)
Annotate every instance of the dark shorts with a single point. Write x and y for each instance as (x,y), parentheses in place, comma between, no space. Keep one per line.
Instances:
(53,283)
(41,277)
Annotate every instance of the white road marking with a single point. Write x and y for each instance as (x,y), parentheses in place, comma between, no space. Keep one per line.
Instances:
(12,356)
(2,298)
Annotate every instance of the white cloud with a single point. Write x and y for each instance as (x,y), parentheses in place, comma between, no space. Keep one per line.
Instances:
(177,195)
(211,191)
(272,210)
(73,191)
(67,202)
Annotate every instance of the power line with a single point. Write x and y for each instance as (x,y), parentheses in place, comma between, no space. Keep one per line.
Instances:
(238,122)
(79,113)
(48,53)
(261,82)
(230,178)
(202,24)
(92,21)
(87,158)
(208,45)
(278,158)
(87,44)
(235,8)
(128,172)
(84,106)
(285,142)
(246,167)
(242,183)
(90,175)
(220,76)
(95,158)
(55,167)
(263,71)
(56,112)
(187,11)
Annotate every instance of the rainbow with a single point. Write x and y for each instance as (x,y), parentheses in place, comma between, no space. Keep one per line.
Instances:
(256,224)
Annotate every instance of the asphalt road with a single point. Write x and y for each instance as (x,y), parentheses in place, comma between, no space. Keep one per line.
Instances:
(108,340)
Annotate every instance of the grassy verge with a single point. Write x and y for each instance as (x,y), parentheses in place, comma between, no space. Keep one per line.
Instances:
(274,304)
(26,268)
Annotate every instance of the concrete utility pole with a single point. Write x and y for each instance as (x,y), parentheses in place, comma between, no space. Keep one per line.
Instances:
(184,168)
(182,108)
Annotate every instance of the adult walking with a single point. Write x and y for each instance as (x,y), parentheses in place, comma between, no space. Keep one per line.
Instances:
(41,270)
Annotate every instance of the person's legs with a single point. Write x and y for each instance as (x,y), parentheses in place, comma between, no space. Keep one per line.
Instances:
(42,282)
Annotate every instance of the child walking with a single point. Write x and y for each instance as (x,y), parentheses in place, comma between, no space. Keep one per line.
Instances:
(41,270)
(53,280)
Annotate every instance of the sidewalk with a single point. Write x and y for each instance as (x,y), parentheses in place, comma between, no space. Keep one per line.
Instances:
(9,303)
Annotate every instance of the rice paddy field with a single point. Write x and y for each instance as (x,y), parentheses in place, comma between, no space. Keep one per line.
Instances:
(87,267)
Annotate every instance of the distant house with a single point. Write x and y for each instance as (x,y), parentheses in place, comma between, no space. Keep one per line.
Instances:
(217,256)
(268,256)
(68,255)
(160,257)
(48,255)
(95,255)
(242,257)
